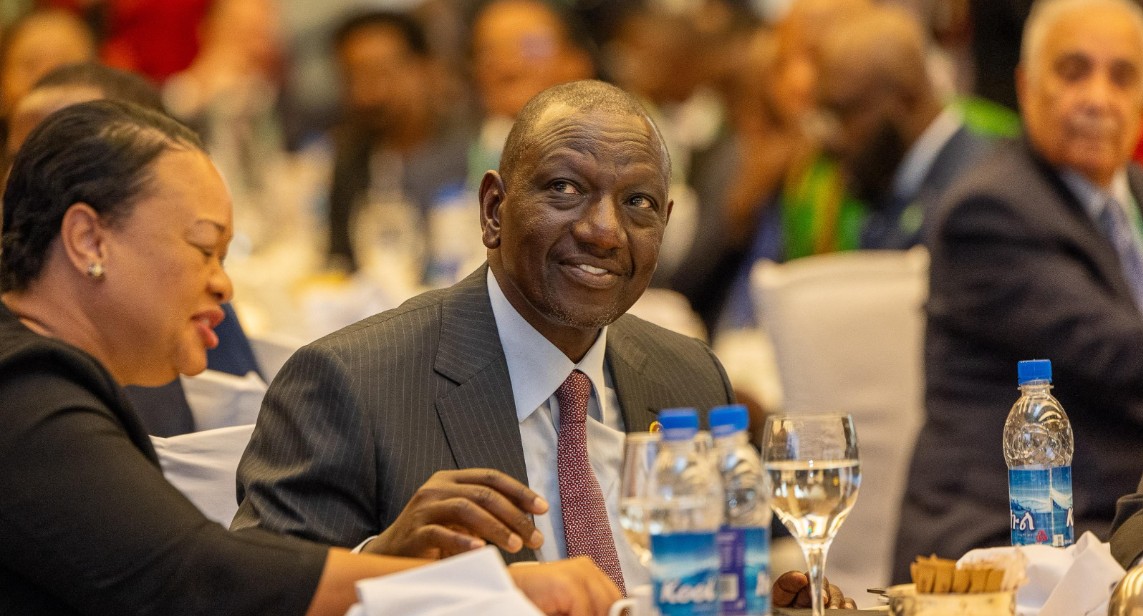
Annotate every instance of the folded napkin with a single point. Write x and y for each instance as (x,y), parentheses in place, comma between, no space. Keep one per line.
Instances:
(1073,581)
(202,466)
(475,582)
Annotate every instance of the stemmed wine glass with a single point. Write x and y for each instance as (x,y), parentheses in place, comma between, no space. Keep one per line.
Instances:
(639,453)
(814,474)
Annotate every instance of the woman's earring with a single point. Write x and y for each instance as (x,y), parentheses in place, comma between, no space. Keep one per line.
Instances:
(95,270)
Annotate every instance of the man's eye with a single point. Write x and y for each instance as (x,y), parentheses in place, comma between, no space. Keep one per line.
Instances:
(1125,75)
(564,186)
(1073,68)
(642,202)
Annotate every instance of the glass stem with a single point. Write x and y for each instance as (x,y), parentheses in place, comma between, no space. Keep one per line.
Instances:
(815,558)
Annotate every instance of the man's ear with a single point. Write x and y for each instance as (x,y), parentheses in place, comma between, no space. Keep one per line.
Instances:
(82,237)
(492,194)
(670,206)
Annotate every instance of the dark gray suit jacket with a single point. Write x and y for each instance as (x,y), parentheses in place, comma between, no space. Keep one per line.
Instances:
(901,222)
(1127,531)
(358,420)
(1020,271)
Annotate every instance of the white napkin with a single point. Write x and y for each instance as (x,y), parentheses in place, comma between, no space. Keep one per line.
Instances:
(475,582)
(1087,585)
(218,399)
(202,466)
(1074,581)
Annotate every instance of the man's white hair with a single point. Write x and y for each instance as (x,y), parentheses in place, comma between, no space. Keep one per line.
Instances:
(1045,13)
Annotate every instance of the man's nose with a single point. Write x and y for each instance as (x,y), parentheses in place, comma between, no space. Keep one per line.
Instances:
(601,224)
(1099,90)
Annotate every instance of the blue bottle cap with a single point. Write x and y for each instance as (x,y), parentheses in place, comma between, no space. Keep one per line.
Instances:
(1034,370)
(678,424)
(728,419)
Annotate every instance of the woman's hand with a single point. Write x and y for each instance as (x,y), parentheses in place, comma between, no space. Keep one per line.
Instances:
(573,587)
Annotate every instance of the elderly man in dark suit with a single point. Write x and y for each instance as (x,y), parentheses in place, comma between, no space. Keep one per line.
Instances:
(360,432)
(1036,253)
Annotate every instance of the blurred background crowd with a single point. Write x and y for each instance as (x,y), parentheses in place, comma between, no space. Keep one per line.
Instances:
(353,134)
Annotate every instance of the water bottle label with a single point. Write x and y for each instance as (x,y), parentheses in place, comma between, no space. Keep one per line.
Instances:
(684,573)
(1041,502)
(744,575)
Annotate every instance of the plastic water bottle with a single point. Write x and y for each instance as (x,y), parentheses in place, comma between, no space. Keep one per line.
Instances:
(683,521)
(1038,449)
(744,539)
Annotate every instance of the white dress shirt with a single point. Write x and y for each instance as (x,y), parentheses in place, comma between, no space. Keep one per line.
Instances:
(919,160)
(537,369)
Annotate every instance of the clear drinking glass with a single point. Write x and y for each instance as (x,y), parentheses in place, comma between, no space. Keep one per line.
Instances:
(814,474)
(639,453)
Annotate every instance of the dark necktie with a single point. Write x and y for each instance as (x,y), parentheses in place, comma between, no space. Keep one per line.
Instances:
(1119,230)
(586,529)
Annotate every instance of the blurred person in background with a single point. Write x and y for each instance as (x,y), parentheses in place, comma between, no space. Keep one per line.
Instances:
(75,83)
(818,213)
(155,38)
(898,146)
(114,234)
(34,45)
(229,95)
(666,56)
(1037,252)
(519,48)
(754,161)
(397,153)
(784,197)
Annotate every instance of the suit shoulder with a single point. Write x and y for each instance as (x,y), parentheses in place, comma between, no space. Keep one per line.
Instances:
(1009,181)
(657,340)
(1004,170)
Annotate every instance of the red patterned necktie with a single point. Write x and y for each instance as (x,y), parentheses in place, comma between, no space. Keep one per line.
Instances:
(586,529)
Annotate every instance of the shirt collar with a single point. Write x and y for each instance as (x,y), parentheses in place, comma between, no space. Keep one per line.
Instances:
(535,366)
(1094,198)
(921,156)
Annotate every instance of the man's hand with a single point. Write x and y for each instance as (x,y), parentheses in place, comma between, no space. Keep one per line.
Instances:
(574,587)
(792,589)
(458,511)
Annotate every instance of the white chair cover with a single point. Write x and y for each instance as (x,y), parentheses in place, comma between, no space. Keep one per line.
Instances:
(847,333)
(219,400)
(272,350)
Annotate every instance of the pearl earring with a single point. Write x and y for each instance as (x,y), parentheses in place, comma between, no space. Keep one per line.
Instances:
(95,270)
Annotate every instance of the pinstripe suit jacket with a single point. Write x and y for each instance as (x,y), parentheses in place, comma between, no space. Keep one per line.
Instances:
(357,421)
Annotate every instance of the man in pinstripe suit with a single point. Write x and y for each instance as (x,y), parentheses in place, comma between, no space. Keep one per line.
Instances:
(361,432)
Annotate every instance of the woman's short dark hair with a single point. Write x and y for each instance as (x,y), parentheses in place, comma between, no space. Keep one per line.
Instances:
(98,153)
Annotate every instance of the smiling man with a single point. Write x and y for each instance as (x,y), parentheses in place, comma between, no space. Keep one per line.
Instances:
(1037,254)
(494,411)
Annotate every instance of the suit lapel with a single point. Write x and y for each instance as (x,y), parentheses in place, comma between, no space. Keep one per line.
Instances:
(1135,183)
(635,386)
(478,415)
(1087,233)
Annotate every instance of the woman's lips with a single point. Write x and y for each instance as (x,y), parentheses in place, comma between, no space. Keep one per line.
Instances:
(205,322)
